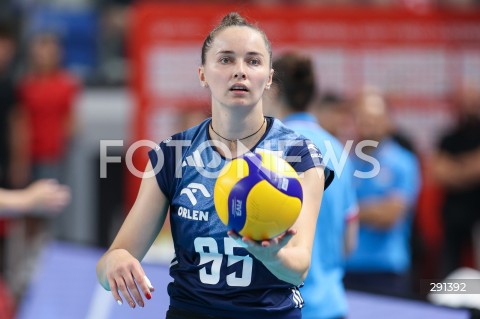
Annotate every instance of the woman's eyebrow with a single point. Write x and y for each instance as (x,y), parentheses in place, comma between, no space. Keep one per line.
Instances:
(230,52)
(255,53)
(225,52)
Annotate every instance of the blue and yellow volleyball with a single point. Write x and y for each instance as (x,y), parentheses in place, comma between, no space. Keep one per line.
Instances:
(258,195)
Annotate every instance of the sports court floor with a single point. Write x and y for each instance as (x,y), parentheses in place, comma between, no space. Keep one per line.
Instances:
(65,286)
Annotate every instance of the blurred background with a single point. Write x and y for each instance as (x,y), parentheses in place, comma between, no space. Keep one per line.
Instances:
(77,72)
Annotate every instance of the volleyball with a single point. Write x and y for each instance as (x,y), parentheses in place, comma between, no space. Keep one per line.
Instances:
(258,195)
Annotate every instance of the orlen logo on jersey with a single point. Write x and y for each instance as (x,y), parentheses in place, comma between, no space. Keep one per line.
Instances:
(191,189)
(236,207)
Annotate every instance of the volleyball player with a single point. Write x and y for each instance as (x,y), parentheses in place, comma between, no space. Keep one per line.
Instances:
(215,273)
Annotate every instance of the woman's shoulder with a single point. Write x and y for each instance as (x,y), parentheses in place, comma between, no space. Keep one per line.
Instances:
(189,134)
(281,131)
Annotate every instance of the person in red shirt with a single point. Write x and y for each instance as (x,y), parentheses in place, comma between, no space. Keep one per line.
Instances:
(46,93)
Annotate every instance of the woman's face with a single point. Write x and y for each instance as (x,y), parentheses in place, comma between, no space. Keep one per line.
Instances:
(237,67)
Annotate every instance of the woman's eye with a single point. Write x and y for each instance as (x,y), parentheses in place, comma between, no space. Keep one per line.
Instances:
(255,62)
(224,60)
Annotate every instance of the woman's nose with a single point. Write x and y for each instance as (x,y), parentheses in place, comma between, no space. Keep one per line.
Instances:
(239,73)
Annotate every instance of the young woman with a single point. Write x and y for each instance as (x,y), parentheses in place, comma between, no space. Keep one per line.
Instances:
(217,274)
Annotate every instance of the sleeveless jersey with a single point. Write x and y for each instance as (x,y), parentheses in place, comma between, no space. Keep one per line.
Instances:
(212,274)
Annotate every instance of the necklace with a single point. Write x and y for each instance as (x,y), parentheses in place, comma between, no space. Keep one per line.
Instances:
(237,139)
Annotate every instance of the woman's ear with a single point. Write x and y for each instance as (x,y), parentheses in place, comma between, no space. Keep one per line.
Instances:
(201,76)
(270,80)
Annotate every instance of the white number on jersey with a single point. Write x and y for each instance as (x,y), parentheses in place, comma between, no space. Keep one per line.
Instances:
(211,255)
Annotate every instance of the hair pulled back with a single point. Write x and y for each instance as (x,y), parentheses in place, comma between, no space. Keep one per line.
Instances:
(233,19)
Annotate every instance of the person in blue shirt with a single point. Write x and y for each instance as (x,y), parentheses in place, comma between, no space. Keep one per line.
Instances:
(333,112)
(387,190)
(292,93)
(217,274)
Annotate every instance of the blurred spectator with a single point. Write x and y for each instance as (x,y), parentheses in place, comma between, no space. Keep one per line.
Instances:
(7,102)
(382,260)
(336,232)
(44,196)
(43,132)
(47,94)
(334,114)
(7,98)
(456,167)
(403,141)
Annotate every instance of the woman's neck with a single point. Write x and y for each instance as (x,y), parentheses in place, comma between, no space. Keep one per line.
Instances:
(236,127)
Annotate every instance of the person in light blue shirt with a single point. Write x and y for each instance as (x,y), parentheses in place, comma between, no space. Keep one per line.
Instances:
(291,94)
(387,198)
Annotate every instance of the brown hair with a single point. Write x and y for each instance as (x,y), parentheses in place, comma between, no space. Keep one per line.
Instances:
(232,19)
(295,79)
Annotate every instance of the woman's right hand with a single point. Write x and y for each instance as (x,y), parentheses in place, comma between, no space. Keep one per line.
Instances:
(119,269)
(125,275)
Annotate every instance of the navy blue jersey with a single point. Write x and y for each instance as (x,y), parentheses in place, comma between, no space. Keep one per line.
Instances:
(212,273)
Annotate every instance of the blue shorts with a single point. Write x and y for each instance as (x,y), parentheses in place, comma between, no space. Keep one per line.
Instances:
(175,313)
(181,312)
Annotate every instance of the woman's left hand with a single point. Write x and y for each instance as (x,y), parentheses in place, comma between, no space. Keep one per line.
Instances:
(264,250)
